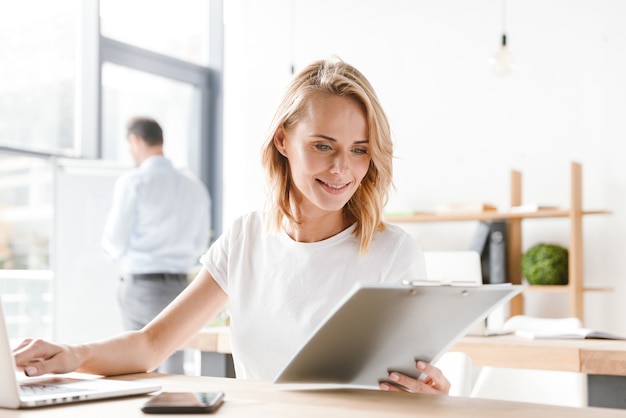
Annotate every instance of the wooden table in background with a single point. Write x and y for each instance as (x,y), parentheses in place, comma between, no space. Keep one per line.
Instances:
(603,361)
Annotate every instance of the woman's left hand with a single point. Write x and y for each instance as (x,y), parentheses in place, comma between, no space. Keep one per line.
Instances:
(434,382)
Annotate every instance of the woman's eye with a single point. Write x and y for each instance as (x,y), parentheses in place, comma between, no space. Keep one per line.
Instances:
(322,147)
(360,151)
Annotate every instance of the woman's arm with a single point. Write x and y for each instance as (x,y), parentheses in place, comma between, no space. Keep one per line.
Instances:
(135,351)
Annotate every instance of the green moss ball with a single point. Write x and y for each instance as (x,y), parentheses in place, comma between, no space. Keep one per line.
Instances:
(545,264)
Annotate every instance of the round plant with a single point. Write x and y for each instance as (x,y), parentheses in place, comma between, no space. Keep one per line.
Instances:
(545,264)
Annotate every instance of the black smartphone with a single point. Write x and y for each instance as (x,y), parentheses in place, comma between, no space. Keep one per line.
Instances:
(184,403)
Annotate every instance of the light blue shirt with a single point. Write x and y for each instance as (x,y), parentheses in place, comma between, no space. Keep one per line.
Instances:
(159,221)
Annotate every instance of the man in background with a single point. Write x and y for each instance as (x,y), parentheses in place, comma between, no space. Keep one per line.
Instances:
(157,227)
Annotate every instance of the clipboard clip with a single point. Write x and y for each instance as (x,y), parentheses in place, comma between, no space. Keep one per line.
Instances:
(417,283)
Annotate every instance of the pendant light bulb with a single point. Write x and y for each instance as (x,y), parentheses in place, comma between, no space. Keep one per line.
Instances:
(502,62)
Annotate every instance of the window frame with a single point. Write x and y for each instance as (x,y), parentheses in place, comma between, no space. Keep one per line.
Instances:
(208,80)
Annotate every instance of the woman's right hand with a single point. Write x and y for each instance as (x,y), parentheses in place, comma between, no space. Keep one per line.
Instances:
(38,357)
(143,350)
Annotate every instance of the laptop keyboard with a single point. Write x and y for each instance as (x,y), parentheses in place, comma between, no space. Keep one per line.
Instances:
(33,389)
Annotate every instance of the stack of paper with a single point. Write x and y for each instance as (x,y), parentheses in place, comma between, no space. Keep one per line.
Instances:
(560,328)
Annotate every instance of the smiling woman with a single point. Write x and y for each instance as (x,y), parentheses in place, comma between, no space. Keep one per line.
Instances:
(336,97)
(327,153)
(282,271)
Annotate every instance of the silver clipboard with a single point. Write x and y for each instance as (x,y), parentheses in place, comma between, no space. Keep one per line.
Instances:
(380,328)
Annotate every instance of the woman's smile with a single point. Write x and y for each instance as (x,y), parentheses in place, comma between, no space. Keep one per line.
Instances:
(334,188)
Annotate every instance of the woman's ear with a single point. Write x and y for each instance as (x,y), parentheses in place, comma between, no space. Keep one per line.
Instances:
(279,140)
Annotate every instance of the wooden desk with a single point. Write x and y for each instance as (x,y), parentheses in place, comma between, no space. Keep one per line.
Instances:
(603,361)
(607,357)
(603,357)
(214,339)
(261,399)
(599,357)
(215,355)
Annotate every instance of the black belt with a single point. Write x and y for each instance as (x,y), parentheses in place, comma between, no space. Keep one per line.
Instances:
(157,276)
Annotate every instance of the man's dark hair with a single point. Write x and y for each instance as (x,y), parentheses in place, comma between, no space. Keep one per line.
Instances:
(145,128)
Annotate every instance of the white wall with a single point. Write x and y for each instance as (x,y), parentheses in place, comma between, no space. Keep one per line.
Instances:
(458,128)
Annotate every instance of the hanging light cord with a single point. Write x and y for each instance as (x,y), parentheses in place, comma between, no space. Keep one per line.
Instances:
(503,8)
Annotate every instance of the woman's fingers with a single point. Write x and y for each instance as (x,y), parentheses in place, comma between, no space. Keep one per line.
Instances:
(434,377)
(37,357)
(23,344)
(434,381)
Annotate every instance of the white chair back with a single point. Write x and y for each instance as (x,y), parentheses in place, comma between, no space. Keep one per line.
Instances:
(454,267)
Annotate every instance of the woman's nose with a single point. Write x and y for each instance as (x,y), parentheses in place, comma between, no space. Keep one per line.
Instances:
(340,162)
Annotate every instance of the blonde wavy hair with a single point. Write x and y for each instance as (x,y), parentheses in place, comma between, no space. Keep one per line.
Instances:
(333,77)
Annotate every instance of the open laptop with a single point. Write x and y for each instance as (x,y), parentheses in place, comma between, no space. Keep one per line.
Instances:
(59,389)
(380,328)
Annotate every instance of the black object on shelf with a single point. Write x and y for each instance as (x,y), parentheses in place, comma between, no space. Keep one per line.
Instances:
(490,242)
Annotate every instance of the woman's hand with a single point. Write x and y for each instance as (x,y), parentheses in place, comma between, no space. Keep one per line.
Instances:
(38,357)
(434,382)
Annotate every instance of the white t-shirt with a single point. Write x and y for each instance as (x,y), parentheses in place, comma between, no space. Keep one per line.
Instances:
(280,290)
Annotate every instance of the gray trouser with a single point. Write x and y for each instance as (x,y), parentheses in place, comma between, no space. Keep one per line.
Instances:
(142,297)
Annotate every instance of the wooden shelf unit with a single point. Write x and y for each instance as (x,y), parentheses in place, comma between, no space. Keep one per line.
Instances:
(575,287)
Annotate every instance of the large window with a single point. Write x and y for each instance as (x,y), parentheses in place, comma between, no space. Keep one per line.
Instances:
(71,73)
(37,52)
(25,212)
(25,227)
(176,28)
(155,62)
(175,105)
